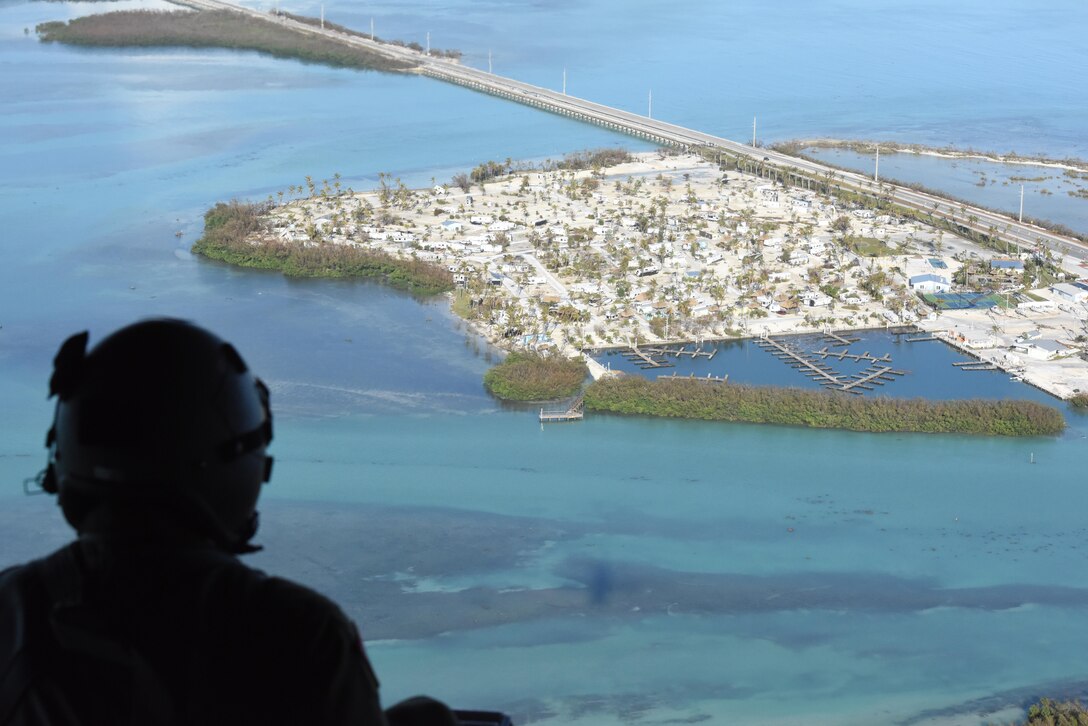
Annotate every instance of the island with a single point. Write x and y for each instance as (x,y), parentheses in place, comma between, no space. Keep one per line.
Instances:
(610,249)
(702,400)
(268,34)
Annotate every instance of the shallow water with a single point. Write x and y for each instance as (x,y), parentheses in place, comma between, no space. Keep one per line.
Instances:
(1049,193)
(593,573)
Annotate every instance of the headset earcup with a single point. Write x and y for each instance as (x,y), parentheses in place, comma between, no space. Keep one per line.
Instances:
(49,480)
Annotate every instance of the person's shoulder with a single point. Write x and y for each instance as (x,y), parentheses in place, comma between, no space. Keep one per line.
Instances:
(257,587)
(278,603)
(24,575)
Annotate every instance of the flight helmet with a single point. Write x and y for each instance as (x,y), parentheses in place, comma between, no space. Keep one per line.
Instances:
(162,414)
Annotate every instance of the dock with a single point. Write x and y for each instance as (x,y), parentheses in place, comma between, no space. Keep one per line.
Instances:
(708,378)
(837,339)
(645,359)
(574,412)
(681,351)
(841,355)
(825,375)
(875,376)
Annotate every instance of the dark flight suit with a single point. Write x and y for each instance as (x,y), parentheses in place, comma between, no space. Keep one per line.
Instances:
(151,630)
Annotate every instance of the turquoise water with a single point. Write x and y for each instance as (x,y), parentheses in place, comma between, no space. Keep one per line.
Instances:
(604,572)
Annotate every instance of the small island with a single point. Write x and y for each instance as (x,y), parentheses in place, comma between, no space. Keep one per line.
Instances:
(526,376)
(219,29)
(695,399)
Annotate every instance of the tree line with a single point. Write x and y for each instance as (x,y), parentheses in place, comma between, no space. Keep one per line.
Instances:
(211,29)
(233,234)
(818,409)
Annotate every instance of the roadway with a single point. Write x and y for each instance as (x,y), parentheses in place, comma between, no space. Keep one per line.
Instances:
(1003,227)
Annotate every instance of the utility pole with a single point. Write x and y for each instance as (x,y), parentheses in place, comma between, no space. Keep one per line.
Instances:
(650,105)
(753,131)
(428,42)
(1021,204)
(876,172)
(322,16)
(372,30)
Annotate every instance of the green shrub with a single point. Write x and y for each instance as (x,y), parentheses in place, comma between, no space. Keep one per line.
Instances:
(232,234)
(798,407)
(212,29)
(531,377)
(1050,713)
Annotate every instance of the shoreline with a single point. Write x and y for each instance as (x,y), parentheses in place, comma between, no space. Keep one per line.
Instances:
(865,146)
(667,247)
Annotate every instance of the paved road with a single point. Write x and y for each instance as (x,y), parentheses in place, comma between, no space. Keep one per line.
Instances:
(975,218)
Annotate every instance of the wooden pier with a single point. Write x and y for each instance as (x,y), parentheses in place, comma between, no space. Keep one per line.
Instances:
(681,351)
(692,377)
(574,412)
(874,376)
(645,359)
(825,375)
(841,355)
(837,339)
(817,371)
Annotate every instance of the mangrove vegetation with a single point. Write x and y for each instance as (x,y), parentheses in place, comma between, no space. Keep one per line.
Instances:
(234,233)
(212,29)
(533,377)
(818,409)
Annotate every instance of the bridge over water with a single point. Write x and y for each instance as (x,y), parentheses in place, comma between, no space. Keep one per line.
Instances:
(760,161)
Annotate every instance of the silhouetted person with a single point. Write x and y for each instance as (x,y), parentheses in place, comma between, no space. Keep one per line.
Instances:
(157,455)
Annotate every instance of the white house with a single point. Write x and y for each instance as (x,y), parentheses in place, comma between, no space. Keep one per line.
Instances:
(981,341)
(815,299)
(929,283)
(452,225)
(1041,349)
(1073,292)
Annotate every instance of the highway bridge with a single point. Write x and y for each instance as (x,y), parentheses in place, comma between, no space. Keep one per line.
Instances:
(999,227)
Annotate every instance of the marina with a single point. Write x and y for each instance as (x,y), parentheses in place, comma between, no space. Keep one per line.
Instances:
(797,361)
